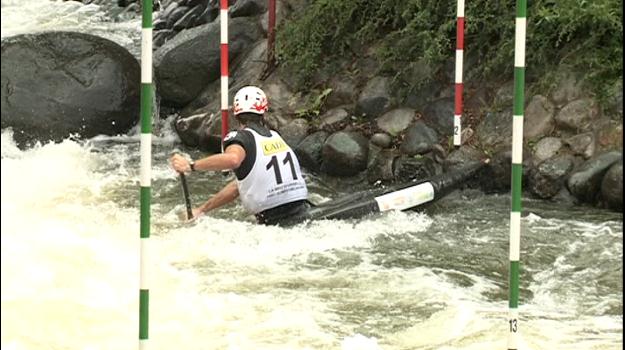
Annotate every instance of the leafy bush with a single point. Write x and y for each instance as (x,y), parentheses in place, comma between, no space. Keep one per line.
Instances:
(584,34)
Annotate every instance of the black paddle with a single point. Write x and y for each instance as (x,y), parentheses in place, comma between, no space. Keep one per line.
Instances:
(185,192)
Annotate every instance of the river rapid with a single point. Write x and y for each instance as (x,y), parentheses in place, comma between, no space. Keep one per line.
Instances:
(436,279)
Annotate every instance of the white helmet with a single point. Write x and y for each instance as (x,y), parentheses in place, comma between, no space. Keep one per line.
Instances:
(250,99)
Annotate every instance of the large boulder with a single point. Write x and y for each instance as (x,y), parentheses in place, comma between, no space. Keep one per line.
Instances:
(375,98)
(309,150)
(189,61)
(203,130)
(334,119)
(382,166)
(547,179)
(578,115)
(57,84)
(585,182)
(396,121)
(612,186)
(539,118)
(406,168)
(295,131)
(495,131)
(247,8)
(439,115)
(547,148)
(419,139)
(345,153)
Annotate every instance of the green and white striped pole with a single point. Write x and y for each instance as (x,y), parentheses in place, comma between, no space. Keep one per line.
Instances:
(146,168)
(517,172)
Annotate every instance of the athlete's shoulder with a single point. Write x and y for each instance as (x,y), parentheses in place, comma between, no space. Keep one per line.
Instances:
(231,135)
(243,138)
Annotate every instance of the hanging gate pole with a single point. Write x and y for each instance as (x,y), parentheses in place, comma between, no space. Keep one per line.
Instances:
(271,35)
(223,19)
(459,87)
(146,165)
(517,172)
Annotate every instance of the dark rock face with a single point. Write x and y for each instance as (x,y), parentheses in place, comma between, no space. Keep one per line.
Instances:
(203,130)
(548,178)
(437,115)
(585,182)
(612,186)
(345,154)
(578,115)
(495,131)
(539,118)
(309,151)
(58,84)
(419,139)
(375,98)
(409,168)
(246,8)
(188,62)
(382,167)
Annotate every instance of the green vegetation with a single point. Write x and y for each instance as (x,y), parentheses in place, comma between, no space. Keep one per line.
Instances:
(313,106)
(586,35)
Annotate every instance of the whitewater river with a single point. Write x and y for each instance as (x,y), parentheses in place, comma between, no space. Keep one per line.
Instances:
(403,280)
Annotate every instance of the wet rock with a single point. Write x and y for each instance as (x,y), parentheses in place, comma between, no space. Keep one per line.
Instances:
(582,144)
(407,168)
(547,180)
(419,139)
(381,139)
(504,96)
(374,99)
(578,115)
(461,157)
(343,91)
(394,122)
(439,115)
(547,148)
(345,154)
(309,151)
(612,186)
(246,8)
(568,89)
(334,119)
(185,64)
(203,131)
(495,131)
(381,167)
(295,131)
(189,19)
(609,135)
(584,183)
(57,84)
(539,118)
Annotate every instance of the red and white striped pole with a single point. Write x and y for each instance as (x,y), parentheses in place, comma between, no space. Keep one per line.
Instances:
(223,18)
(271,34)
(459,84)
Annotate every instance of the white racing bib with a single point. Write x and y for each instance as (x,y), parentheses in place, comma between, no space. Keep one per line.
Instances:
(275,178)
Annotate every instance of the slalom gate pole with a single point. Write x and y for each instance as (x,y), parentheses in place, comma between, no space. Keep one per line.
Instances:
(271,34)
(223,19)
(146,168)
(517,172)
(459,87)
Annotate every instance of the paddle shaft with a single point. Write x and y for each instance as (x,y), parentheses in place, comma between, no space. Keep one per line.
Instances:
(185,192)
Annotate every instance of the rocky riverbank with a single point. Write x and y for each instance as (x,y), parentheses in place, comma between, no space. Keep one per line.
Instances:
(354,124)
